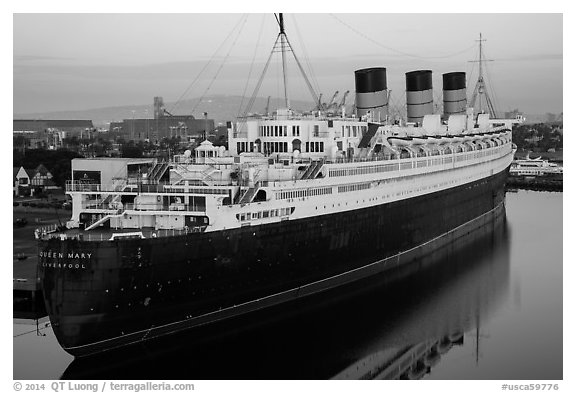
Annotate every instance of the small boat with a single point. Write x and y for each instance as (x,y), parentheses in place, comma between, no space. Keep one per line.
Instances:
(400,141)
(446,139)
(420,140)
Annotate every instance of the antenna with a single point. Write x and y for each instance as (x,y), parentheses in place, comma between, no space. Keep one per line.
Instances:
(480,90)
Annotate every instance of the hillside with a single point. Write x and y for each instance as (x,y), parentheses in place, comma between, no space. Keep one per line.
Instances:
(219,107)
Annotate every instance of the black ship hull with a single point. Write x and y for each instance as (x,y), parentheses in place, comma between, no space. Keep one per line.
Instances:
(102,295)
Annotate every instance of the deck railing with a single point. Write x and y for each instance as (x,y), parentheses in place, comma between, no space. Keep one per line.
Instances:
(116,209)
(102,236)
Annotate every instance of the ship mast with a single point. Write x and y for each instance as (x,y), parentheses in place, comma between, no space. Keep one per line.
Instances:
(282,36)
(480,91)
(284,43)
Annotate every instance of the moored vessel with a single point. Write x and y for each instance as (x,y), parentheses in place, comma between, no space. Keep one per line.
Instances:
(299,203)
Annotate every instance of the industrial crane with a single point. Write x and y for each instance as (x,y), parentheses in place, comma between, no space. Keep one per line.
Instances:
(343,101)
(332,102)
(319,105)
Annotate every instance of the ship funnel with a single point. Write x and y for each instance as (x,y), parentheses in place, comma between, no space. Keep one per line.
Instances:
(371,93)
(454,84)
(419,99)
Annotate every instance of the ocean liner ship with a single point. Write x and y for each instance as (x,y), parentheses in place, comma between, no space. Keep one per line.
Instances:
(299,203)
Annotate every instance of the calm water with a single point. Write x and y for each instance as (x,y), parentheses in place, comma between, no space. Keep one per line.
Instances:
(492,309)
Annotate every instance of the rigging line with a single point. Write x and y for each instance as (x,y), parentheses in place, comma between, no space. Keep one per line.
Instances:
(396,50)
(469,75)
(312,92)
(492,90)
(306,57)
(257,88)
(221,65)
(278,73)
(174,107)
(251,65)
(492,93)
(31,331)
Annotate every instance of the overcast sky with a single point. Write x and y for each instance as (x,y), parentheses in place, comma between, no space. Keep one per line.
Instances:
(82,61)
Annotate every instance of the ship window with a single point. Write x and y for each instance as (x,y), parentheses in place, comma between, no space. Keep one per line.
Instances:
(316,130)
(321,146)
(307,147)
(285,130)
(265,214)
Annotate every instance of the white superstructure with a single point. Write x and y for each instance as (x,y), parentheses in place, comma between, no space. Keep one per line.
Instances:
(287,167)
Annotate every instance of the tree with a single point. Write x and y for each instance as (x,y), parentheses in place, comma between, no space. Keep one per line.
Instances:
(129,150)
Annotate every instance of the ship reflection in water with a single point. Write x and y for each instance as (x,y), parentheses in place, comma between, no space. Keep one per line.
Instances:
(399,329)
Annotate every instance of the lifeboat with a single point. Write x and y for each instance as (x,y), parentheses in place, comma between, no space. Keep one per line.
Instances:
(400,140)
(435,139)
(447,139)
(479,137)
(458,138)
(420,140)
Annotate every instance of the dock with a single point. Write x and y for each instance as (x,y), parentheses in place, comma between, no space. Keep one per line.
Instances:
(536,183)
